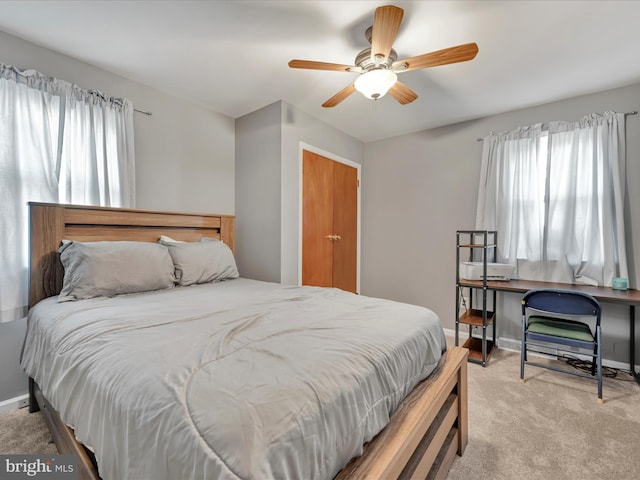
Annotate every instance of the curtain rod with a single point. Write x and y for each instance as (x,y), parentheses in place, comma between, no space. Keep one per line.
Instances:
(634,112)
(118,100)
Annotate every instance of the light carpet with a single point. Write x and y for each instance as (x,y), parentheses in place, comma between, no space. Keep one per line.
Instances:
(24,433)
(549,428)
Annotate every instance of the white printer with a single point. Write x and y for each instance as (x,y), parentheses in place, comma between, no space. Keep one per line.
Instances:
(495,271)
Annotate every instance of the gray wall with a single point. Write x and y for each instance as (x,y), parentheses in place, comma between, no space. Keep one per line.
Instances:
(184,159)
(297,127)
(184,152)
(258,159)
(13,381)
(268,186)
(418,189)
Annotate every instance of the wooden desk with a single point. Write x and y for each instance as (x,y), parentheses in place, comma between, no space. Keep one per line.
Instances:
(603,294)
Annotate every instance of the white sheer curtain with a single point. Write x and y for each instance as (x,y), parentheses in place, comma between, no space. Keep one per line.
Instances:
(556,199)
(511,196)
(58,143)
(96,165)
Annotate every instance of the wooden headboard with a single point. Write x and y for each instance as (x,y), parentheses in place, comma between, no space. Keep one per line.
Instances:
(50,223)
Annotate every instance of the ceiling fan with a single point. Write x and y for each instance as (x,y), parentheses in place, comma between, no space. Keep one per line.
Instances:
(378,66)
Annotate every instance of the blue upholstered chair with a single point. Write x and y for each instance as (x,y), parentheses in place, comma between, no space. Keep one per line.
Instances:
(550,318)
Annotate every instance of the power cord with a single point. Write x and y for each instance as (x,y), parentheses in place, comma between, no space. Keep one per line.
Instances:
(585,366)
(463,301)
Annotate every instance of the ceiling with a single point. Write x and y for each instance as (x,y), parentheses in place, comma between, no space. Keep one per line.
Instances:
(231,56)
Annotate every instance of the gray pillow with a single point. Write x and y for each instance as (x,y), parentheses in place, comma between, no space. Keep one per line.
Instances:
(94,269)
(202,262)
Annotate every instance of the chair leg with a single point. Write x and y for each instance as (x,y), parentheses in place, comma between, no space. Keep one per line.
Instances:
(598,337)
(594,359)
(600,399)
(523,353)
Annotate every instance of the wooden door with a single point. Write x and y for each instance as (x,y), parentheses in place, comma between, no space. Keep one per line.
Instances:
(317,220)
(345,226)
(330,223)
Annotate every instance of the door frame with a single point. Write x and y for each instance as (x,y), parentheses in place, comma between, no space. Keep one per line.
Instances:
(336,158)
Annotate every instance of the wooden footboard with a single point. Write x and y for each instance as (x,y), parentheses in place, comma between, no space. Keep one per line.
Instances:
(429,427)
(62,435)
(426,431)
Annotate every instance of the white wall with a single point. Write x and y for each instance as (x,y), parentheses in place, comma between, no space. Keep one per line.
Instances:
(184,159)
(418,189)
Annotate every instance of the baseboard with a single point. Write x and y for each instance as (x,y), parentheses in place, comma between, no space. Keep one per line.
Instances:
(514,345)
(452,333)
(14,403)
(510,344)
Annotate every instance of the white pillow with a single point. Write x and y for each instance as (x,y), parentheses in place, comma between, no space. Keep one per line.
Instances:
(165,240)
(208,260)
(94,269)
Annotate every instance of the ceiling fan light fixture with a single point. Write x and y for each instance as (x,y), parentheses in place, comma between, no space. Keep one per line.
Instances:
(375,83)
(379,64)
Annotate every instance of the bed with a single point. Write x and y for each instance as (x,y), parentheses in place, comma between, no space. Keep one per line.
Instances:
(427,428)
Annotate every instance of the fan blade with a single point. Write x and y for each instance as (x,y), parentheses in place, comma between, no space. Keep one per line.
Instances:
(461,53)
(386,23)
(402,93)
(340,96)
(310,65)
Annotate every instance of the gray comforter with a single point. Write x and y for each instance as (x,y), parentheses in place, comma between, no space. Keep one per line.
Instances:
(233,380)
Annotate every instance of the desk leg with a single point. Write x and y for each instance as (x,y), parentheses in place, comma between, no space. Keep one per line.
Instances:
(632,342)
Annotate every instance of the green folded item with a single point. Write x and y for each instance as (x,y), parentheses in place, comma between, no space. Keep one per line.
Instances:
(560,327)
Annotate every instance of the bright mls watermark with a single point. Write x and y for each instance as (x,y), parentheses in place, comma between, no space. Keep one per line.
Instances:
(50,467)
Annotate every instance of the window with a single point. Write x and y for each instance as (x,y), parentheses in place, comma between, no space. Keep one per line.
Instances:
(555,196)
(58,144)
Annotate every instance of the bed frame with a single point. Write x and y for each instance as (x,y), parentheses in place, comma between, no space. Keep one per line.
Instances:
(429,427)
